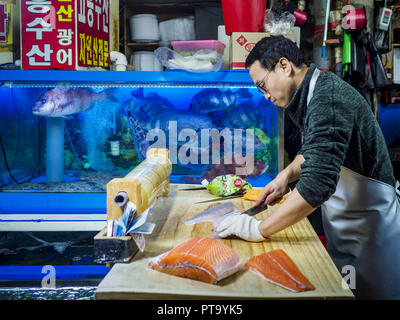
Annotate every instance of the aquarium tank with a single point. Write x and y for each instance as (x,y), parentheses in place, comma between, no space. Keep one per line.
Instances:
(78,136)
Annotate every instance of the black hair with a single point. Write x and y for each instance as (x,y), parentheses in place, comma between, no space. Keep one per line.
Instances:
(269,50)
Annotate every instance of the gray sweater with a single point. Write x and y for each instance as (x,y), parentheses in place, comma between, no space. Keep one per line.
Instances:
(339,130)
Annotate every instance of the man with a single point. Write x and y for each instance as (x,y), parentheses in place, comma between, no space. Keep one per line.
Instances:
(343,166)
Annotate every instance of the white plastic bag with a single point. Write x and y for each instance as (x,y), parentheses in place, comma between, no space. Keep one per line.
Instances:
(279,25)
(197,61)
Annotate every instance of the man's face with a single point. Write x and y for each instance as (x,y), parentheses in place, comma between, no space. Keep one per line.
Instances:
(276,84)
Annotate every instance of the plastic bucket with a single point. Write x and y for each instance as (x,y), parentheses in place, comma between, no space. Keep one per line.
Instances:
(145,61)
(144,28)
(244,15)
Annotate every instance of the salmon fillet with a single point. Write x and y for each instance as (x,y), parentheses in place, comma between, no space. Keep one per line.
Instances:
(203,259)
(277,267)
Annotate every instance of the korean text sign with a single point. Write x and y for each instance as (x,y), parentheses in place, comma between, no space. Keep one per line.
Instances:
(64,34)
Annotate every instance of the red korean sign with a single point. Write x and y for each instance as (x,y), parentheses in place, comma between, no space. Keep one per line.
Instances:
(64,34)
(93,33)
(4,23)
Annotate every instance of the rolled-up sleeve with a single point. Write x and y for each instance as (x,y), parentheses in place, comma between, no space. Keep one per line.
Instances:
(328,127)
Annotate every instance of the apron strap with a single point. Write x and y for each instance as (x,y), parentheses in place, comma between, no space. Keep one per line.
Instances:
(311,87)
(310,94)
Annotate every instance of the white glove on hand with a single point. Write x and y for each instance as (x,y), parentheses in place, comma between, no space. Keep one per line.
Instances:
(240,225)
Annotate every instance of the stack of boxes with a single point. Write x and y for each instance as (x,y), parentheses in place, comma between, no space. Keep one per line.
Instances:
(241,43)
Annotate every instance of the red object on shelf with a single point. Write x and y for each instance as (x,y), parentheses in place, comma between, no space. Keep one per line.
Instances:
(244,15)
(301,17)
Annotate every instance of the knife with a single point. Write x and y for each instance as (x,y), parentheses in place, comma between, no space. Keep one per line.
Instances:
(254,210)
(219,211)
(222,198)
(193,188)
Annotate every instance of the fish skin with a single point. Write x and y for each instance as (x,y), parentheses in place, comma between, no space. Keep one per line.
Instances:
(62,102)
(212,214)
(277,267)
(203,259)
(213,99)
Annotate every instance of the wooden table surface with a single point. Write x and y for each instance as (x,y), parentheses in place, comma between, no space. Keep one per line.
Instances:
(135,280)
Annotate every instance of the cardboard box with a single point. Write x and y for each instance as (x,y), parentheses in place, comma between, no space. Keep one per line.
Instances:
(241,43)
(65,34)
(9,26)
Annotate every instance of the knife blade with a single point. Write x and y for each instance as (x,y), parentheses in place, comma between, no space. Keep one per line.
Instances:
(254,210)
(194,188)
(222,198)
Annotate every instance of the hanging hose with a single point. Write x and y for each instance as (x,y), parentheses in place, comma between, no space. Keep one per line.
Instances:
(3,150)
(8,168)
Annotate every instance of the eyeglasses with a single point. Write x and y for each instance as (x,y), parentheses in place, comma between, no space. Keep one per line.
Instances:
(260,85)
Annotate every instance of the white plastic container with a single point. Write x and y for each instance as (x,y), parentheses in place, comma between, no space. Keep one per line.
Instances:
(177,29)
(145,61)
(144,28)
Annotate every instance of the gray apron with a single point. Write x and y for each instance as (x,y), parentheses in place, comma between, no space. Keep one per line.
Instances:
(361,221)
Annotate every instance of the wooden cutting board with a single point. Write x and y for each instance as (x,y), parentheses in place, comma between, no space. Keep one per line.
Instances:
(136,281)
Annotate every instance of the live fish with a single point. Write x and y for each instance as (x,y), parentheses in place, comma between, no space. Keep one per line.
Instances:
(243,116)
(62,102)
(185,119)
(166,121)
(138,135)
(152,103)
(213,99)
(257,144)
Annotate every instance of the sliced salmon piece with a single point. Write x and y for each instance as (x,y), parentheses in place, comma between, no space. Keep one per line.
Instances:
(204,259)
(277,267)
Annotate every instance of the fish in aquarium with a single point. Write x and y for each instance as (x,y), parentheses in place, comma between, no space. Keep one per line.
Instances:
(247,171)
(172,122)
(241,139)
(185,119)
(213,99)
(62,102)
(177,120)
(152,102)
(138,135)
(243,116)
